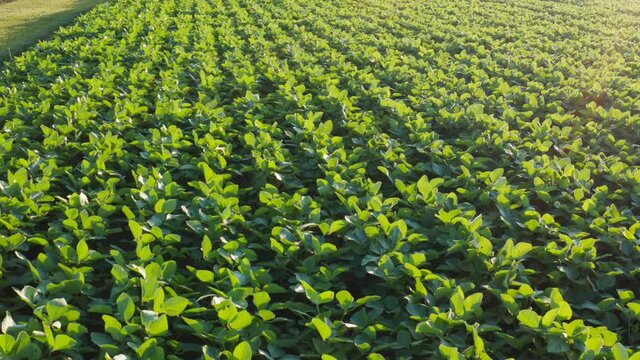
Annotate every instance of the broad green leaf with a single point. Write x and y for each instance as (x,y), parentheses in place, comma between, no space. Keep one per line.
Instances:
(336,226)
(473,303)
(345,299)
(484,245)
(112,325)
(635,309)
(174,306)
(136,229)
(266,315)
(205,275)
(450,353)
(325,297)
(521,249)
(56,308)
(529,318)
(323,329)
(620,352)
(158,327)
(240,320)
(242,351)
(82,250)
(261,299)
(549,317)
(564,311)
(6,343)
(63,342)
(126,307)
(626,295)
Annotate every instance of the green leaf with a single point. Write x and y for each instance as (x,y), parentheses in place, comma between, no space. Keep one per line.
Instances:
(384,222)
(158,300)
(159,327)
(261,299)
(556,345)
(242,351)
(449,352)
(367,299)
(323,329)
(620,352)
(206,247)
(240,320)
(126,307)
(336,226)
(168,206)
(549,317)
(525,290)
(136,229)
(635,309)
(564,311)
(594,344)
(484,246)
(6,343)
(249,139)
(510,303)
(473,303)
(21,344)
(205,275)
(63,342)
(556,298)
(345,299)
(626,295)
(266,315)
(529,318)
(112,325)
(159,205)
(48,335)
(119,273)
(478,344)
(423,186)
(311,293)
(146,349)
(457,302)
(82,249)
(174,306)
(325,297)
(155,324)
(521,249)
(397,230)
(56,308)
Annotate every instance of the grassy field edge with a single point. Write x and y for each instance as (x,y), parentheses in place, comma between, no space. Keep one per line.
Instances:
(29,32)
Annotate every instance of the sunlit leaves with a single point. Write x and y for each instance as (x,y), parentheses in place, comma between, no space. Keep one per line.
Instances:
(529,318)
